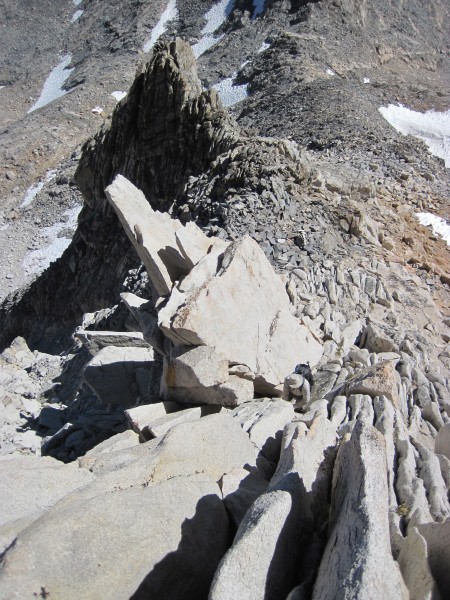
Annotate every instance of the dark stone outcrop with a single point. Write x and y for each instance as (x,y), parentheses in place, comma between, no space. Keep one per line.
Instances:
(166,131)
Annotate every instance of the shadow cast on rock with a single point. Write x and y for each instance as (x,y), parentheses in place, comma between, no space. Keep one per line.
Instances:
(187,573)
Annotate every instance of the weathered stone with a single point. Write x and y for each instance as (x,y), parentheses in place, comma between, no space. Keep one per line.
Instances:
(97,340)
(264,421)
(29,486)
(359,512)
(233,392)
(195,367)
(160,426)
(112,373)
(140,416)
(242,300)
(379,380)
(413,562)
(263,561)
(151,232)
(120,441)
(442,445)
(430,473)
(339,410)
(248,570)
(194,244)
(132,541)
(212,445)
(377,339)
(240,488)
(143,313)
(437,537)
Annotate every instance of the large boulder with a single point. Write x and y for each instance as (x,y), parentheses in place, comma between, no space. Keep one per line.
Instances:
(358,562)
(198,375)
(107,538)
(275,534)
(113,545)
(115,374)
(29,486)
(167,248)
(242,310)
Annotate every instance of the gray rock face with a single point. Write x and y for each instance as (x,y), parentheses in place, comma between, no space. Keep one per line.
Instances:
(248,568)
(359,512)
(264,421)
(29,486)
(190,544)
(272,335)
(113,373)
(184,467)
(274,536)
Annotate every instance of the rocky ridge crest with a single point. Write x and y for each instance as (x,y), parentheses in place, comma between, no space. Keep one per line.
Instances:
(374,405)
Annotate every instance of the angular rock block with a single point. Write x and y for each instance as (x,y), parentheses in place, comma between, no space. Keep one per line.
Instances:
(358,562)
(113,374)
(242,311)
(200,376)
(166,256)
(140,416)
(95,341)
(264,421)
(442,444)
(380,380)
(264,559)
(108,542)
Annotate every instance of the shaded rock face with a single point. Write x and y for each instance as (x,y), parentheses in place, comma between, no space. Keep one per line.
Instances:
(165,131)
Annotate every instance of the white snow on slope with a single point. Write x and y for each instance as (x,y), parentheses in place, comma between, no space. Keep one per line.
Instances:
(34,189)
(1,87)
(169,14)
(439,226)
(118,95)
(432,127)
(215,17)
(37,260)
(231,94)
(53,84)
(264,46)
(77,2)
(76,16)
(258,6)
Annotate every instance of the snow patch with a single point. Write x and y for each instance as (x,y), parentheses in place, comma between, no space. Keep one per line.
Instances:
(37,260)
(258,7)
(264,46)
(432,127)
(97,110)
(53,84)
(76,16)
(366,80)
(215,17)
(1,87)
(34,189)
(4,226)
(231,94)
(170,14)
(77,2)
(439,226)
(118,95)
(329,71)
